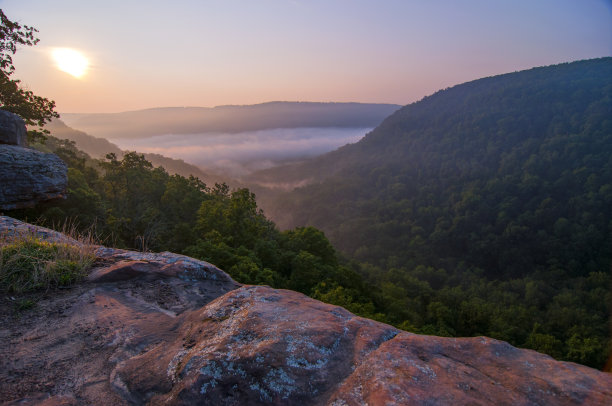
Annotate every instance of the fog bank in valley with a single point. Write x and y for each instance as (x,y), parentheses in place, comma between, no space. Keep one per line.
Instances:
(239,154)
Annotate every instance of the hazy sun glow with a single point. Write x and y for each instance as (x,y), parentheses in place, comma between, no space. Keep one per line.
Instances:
(70,61)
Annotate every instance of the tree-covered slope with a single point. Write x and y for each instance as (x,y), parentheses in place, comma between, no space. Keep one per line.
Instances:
(508,173)
(484,209)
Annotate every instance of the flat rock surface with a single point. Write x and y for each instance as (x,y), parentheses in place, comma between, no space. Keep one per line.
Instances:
(28,177)
(167,329)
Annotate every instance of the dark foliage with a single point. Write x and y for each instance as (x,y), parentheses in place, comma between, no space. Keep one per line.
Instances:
(35,110)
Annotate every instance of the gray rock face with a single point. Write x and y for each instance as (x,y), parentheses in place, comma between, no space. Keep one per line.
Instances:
(28,177)
(12,129)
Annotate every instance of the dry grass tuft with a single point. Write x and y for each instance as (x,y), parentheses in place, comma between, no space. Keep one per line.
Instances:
(29,262)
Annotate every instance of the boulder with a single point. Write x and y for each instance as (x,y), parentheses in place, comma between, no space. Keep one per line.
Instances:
(12,129)
(28,177)
(163,328)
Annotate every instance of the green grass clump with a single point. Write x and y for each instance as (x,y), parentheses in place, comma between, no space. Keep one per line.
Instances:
(28,263)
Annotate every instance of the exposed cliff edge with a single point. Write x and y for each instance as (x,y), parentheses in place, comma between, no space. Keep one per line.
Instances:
(167,329)
(27,177)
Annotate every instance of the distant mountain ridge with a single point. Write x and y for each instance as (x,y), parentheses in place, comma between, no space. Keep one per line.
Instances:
(229,119)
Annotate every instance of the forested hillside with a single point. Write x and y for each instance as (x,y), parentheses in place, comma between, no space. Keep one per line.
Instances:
(485,208)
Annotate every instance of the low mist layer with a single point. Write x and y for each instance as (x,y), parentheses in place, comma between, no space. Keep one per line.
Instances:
(239,154)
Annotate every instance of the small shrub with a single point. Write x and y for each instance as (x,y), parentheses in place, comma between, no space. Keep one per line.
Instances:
(28,263)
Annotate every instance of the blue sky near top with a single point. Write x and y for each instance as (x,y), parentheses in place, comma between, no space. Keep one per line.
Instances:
(212,52)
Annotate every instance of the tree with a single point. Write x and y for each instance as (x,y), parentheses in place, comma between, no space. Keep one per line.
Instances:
(35,110)
(314,242)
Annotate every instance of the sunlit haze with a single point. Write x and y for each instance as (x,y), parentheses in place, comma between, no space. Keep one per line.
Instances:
(70,61)
(205,53)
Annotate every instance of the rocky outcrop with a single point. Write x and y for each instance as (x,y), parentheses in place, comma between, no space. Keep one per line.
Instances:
(426,370)
(167,329)
(12,129)
(28,177)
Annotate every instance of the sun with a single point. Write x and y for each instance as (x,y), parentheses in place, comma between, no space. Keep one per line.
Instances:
(70,61)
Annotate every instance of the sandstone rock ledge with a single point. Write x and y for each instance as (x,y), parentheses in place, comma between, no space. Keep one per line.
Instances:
(167,329)
(28,177)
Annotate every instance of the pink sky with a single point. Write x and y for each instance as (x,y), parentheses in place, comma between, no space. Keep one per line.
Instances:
(213,52)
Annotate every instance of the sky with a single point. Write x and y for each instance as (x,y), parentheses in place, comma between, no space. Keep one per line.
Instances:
(150,53)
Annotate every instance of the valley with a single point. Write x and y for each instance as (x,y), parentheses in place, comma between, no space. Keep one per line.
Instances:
(463,212)
(305,203)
